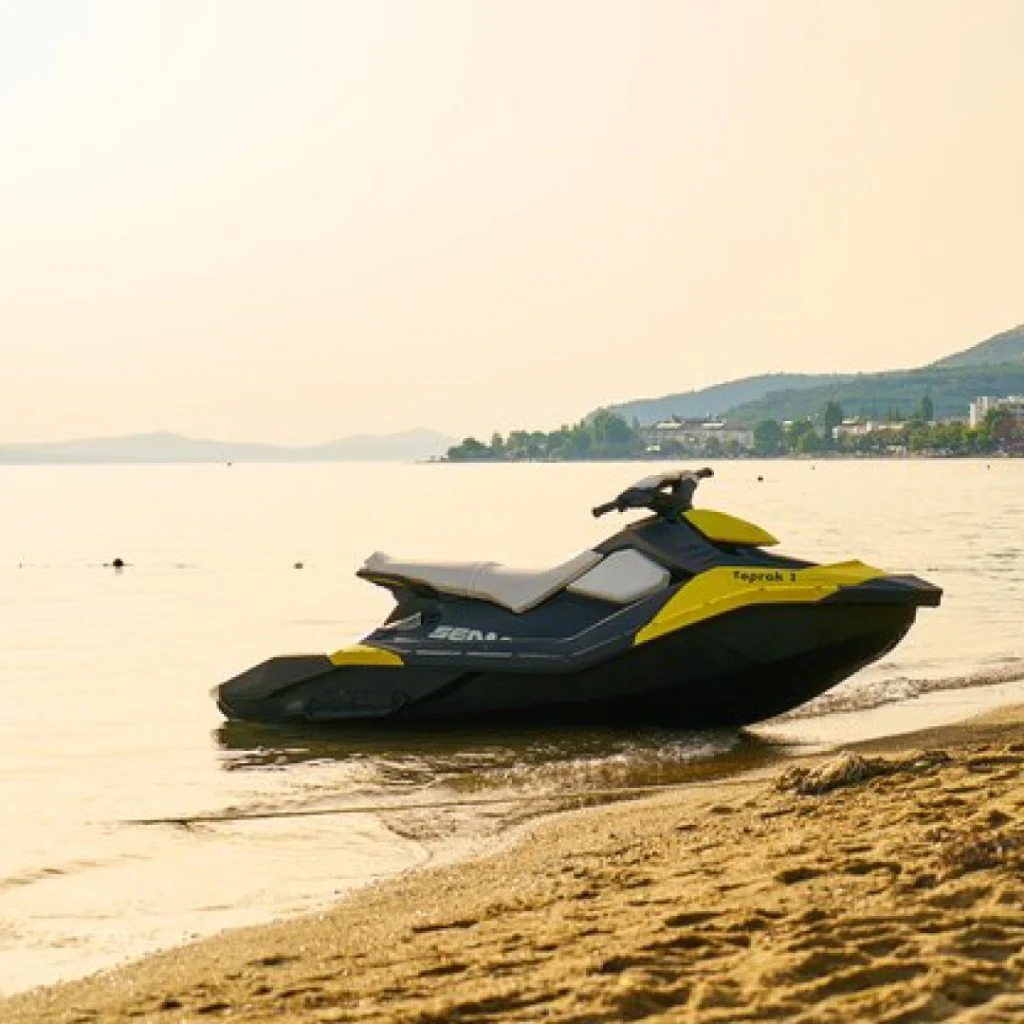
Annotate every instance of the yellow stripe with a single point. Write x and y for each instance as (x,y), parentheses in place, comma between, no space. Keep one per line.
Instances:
(727,588)
(726,529)
(363,654)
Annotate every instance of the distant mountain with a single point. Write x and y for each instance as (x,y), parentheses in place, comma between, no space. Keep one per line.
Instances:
(1007,347)
(715,400)
(166,447)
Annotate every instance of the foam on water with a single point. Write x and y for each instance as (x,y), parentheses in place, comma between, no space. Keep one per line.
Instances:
(861,694)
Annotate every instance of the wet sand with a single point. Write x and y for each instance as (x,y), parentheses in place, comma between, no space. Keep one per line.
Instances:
(884,884)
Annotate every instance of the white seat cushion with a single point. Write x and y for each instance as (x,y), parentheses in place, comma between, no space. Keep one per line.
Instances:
(515,589)
(622,577)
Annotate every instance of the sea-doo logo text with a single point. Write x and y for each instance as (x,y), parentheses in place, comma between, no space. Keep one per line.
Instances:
(764,577)
(459,634)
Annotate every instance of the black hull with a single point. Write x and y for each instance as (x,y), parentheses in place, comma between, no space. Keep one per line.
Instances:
(728,671)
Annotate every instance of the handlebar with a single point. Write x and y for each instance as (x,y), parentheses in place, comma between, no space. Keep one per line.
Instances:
(667,494)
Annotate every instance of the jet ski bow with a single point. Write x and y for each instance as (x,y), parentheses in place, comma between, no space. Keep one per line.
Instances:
(681,618)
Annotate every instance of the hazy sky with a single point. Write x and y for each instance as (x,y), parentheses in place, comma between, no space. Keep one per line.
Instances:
(290,220)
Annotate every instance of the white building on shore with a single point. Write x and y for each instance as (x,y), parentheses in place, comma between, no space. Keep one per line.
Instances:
(985,404)
(857,427)
(695,435)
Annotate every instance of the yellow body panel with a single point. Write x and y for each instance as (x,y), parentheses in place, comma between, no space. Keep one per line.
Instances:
(727,588)
(363,654)
(726,529)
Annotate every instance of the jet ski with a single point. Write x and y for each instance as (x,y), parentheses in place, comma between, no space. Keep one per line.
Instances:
(682,618)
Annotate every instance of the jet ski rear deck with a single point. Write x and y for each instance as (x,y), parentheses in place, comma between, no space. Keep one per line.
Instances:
(681,619)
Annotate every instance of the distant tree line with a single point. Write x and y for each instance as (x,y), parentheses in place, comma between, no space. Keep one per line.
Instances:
(605,435)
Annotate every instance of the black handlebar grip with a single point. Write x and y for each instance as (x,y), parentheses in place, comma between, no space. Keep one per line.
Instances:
(608,506)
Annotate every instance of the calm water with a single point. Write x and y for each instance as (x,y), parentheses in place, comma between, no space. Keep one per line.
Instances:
(104,676)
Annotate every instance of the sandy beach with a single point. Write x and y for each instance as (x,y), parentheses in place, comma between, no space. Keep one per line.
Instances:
(879,884)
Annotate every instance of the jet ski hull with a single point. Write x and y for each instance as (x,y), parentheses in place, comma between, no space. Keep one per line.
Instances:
(733,670)
(679,619)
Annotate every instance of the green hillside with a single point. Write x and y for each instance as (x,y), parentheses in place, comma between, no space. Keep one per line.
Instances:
(1007,347)
(874,395)
(868,394)
(715,400)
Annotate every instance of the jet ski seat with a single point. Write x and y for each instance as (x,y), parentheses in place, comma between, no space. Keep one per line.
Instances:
(519,590)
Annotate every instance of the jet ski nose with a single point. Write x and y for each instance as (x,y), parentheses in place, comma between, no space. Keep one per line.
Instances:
(891,589)
(927,594)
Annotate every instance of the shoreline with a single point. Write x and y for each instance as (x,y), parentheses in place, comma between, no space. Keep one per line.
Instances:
(894,893)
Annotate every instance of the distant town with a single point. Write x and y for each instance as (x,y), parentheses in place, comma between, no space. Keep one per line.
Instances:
(992,426)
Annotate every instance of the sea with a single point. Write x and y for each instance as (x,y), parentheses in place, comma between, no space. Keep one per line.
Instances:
(135,818)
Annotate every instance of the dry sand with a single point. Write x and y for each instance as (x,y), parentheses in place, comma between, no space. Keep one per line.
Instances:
(880,886)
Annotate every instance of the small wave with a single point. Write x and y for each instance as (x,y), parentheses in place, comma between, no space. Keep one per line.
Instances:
(51,872)
(632,763)
(863,695)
